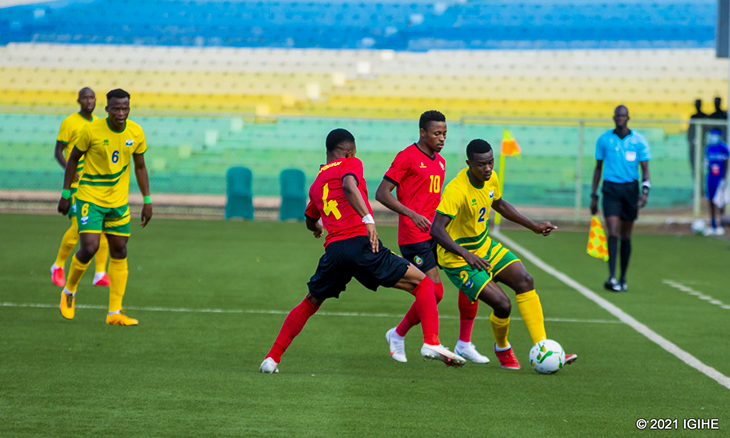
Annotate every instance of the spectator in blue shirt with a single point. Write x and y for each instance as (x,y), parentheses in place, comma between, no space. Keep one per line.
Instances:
(619,153)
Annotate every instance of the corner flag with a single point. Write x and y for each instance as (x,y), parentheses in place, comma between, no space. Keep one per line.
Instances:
(510,147)
(597,246)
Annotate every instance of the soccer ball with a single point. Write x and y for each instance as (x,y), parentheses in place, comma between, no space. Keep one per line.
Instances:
(547,357)
(698,226)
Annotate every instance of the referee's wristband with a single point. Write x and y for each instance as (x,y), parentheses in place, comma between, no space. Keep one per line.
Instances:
(645,186)
(65,193)
(147,199)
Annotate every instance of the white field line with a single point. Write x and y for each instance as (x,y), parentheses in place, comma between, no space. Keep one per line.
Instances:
(283,312)
(699,295)
(620,314)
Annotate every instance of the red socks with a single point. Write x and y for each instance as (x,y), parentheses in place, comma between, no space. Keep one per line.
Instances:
(411,317)
(427,311)
(293,325)
(467,313)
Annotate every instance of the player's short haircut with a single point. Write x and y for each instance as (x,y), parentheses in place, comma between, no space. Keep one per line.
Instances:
(81,91)
(336,137)
(430,116)
(477,146)
(117,94)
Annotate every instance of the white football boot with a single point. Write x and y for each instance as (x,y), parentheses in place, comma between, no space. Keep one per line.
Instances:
(439,352)
(468,351)
(397,346)
(268,366)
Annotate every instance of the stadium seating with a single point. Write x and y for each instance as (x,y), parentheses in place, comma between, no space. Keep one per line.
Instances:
(293,194)
(219,84)
(399,25)
(239,199)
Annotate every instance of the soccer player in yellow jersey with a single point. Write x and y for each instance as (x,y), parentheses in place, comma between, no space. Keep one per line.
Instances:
(108,146)
(67,135)
(471,259)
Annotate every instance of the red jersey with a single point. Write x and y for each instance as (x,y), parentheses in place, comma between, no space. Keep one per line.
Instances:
(327,200)
(419,179)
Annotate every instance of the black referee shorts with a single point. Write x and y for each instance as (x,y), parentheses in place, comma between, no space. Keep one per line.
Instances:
(354,257)
(621,199)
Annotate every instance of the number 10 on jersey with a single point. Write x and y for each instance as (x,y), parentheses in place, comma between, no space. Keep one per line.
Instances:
(435,186)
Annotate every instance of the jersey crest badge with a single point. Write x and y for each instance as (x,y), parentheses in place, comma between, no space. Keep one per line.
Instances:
(130,142)
(442,165)
(630,155)
(491,194)
(468,283)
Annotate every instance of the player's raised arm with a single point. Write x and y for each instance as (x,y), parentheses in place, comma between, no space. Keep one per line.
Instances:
(140,171)
(384,195)
(510,212)
(442,237)
(354,198)
(64,204)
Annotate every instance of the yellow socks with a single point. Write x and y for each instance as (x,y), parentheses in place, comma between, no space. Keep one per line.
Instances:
(67,243)
(76,271)
(500,328)
(102,255)
(531,311)
(118,273)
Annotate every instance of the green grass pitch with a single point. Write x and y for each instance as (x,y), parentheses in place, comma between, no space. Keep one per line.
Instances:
(188,372)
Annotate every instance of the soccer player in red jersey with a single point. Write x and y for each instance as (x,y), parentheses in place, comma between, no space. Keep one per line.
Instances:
(339,197)
(418,172)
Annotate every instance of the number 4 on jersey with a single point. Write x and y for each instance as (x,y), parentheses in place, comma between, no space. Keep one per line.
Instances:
(331,205)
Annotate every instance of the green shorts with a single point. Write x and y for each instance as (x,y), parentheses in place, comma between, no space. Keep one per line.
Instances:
(95,219)
(72,210)
(472,281)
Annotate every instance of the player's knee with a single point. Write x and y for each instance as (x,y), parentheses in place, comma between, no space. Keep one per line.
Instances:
(118,253)
(502,307)
(526,282)
(423,282)
(89,248)
(439,292)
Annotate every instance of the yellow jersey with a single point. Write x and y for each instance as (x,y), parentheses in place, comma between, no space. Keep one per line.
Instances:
(68,133)
(108,154)
(468,207)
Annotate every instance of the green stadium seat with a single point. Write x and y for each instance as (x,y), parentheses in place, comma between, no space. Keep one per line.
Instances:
(239,202)
(293,194)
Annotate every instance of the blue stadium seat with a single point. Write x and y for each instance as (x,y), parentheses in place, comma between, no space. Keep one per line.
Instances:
(239,194)
(293,194)
(398,25)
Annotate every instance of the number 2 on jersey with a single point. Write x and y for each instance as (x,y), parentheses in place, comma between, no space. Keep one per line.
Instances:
(481,214)
(331,205)
(435,186)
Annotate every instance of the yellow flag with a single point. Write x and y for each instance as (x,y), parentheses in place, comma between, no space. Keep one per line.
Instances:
(597,246)
(510,147)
